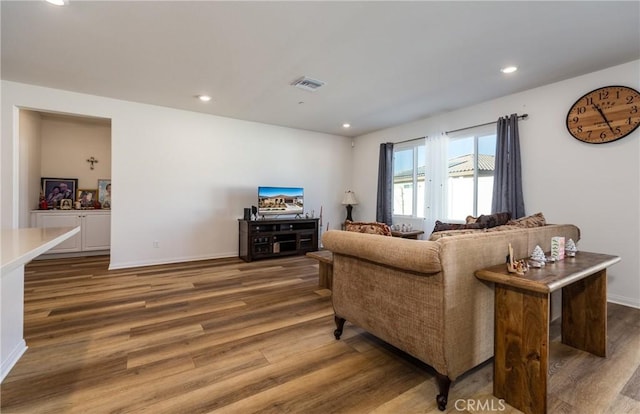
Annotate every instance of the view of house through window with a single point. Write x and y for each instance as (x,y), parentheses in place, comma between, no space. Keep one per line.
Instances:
(408,179)
(468,181)
(471,163)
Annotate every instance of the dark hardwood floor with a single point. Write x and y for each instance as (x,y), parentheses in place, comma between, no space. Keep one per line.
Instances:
(226,336)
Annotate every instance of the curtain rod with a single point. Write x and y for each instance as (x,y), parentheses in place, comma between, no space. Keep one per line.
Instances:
(523,116)
(409,140)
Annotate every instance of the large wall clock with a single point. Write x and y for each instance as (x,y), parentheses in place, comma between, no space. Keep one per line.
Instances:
(605,114)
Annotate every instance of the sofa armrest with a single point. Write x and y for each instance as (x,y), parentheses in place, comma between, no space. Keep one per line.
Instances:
(413,255)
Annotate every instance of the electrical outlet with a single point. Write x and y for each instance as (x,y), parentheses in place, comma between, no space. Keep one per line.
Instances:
(156,244)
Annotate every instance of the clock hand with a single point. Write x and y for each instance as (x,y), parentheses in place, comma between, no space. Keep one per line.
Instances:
(604,117)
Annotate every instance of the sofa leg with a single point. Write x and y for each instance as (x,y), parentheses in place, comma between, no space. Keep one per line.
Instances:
(444,383)
(339,326)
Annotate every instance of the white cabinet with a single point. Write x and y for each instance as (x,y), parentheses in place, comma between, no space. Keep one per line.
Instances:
(95,228)
(96,231)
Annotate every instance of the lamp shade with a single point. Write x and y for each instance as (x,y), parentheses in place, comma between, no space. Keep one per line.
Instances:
(349,198)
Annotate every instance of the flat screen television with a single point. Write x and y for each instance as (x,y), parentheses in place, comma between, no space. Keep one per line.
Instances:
(280,200)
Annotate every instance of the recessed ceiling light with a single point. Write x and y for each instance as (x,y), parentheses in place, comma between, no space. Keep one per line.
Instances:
(509,69)
(346,125)
(57,2)
(204,98)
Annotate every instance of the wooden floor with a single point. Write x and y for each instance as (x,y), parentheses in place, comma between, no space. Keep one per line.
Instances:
(230,337)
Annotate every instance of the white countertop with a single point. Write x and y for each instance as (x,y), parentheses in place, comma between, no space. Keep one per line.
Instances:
(72,211)
(20,246)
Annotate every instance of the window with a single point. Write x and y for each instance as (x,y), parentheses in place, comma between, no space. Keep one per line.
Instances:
(409,192)
(471,165)
(445,177)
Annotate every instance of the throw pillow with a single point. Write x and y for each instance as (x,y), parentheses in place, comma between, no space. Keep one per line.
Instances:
(440,226)
(471,219)
(534,220)
(368,227)
(493,220)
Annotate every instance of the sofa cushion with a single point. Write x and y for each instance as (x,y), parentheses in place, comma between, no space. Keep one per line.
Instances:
(437,235)
(368,227)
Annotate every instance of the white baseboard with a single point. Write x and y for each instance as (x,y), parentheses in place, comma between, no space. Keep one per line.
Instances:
(168,260)
(623,300)
(72,254)
(12,359)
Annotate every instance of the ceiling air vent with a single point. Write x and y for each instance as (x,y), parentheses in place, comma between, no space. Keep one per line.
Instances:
(308,84)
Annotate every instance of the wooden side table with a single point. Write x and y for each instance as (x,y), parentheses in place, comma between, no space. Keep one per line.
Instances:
(522,306)
(325,270)
(407,234)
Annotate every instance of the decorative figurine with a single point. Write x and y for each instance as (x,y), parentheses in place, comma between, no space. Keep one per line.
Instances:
(537,259)
(570,248)
(519,267)
(43,203)
(557,247)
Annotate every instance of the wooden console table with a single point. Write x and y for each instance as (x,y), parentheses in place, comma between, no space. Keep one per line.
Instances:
(325,271)
(522,322)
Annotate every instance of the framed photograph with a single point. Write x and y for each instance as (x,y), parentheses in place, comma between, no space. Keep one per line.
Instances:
(87,198)
(56,189)
(104,193)
(66,204)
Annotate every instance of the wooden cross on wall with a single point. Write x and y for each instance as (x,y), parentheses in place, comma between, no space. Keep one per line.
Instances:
(92,161)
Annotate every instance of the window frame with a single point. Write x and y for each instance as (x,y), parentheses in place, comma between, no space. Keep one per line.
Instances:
(414,145)
(476,136)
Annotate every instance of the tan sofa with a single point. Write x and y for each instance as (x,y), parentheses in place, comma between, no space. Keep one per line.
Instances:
(422,296)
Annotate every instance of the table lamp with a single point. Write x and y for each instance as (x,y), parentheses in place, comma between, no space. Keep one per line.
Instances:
(349,200)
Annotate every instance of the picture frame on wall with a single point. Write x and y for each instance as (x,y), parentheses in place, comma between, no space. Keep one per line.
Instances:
(87,197)
(57,189)
(104,193)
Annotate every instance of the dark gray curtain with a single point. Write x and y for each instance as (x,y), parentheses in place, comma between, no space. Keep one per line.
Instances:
(384,209)
(507,180)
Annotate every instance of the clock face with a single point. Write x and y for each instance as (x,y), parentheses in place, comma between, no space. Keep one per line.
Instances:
(605,114)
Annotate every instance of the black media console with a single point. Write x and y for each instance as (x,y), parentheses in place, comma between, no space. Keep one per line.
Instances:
(261,239)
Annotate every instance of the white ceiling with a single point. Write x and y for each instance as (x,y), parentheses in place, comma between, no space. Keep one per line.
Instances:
(385,63)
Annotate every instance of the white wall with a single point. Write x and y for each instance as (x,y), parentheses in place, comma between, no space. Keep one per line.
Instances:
(596,187)
(183,178)
(67,143)
(30,150)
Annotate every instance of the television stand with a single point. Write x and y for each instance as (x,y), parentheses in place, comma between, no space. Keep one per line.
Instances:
(266,238)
